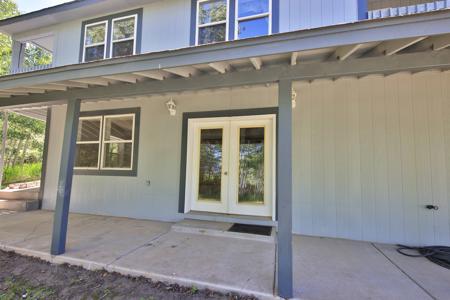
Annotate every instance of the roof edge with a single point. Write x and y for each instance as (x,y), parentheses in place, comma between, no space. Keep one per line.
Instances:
(49,10)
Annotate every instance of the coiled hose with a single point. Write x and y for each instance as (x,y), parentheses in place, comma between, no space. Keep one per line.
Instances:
(438,254)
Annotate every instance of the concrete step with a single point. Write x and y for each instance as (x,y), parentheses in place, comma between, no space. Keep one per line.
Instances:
(219,229)
(227,218)
(26,194)
(19,205)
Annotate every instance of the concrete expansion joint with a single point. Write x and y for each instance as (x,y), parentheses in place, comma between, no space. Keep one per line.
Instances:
(404,272)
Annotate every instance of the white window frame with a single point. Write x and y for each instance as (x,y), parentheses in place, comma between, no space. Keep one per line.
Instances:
(104,142)
(135,16)
(105,43)
(92,142)
(252,17)
(198,26)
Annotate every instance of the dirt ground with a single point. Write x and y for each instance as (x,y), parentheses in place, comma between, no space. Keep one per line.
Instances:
(30,278)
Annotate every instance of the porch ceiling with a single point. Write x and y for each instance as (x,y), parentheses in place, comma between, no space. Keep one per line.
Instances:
(410,43)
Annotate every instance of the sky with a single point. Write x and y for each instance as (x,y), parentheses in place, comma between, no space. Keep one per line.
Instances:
(26,6)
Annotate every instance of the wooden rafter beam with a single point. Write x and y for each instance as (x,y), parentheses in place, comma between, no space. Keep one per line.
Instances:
(256,62)
(221,67)
(185,72)
(51,87)
(122,77)
(71,84)
(92,81)
(154,74)
(342,53)
(392,47)
(25,90)
(294,58)
(440,42)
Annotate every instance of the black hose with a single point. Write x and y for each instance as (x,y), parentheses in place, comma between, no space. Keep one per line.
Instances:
(440,255)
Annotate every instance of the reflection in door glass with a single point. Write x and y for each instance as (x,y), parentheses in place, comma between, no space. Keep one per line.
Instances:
(251,165)
(210,175)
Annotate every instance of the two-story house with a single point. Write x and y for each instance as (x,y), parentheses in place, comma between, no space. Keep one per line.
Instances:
(320,117)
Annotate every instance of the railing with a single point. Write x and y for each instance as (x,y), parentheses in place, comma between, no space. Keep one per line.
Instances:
(30,69)
(408,10)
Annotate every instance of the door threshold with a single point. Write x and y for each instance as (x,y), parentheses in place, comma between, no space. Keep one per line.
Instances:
(229,218)
(221,229)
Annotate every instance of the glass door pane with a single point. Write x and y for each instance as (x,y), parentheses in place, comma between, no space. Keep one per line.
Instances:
(210,169)
(251,165)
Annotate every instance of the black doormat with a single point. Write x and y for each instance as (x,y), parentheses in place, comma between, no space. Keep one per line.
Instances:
(251,229)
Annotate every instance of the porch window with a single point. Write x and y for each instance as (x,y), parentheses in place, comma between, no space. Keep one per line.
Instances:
(212,21)
(253,18)
(88,143)
(95,41)
(118,142)
(124,36)
(106,142)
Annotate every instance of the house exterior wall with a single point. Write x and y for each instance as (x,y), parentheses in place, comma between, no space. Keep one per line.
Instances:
(159,155)
(369,154)
(167,24)
(304,14)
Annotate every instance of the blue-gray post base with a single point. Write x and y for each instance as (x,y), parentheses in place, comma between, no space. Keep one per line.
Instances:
(284,189)
(65,178)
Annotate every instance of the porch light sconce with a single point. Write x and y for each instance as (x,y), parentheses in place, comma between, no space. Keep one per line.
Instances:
(294,98)
(172,107)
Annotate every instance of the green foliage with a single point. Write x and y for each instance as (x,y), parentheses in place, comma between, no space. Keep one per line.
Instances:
(22,173)
(24,290)
(24,148)
(35,56)
(8,8)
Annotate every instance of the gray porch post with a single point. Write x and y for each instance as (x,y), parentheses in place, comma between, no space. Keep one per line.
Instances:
(65,178)
(17,58)
(284,189)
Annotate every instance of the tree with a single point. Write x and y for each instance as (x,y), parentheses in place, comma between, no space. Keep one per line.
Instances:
(8,8)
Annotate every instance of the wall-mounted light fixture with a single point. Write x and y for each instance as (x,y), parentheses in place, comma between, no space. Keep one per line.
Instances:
(294,98)
(172,107)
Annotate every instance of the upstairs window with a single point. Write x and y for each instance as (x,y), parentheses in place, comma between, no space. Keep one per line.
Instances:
(212,21)
(253,18)
(124,36)
(111,36)
(95,38)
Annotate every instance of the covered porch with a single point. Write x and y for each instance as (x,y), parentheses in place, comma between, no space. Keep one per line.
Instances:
(324,268)
(274,68)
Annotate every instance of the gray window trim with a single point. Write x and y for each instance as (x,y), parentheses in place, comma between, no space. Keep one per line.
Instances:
(210,114)
(111,112)
(109,18)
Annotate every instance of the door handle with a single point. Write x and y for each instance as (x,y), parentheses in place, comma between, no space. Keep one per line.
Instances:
(432,207)
(225,173)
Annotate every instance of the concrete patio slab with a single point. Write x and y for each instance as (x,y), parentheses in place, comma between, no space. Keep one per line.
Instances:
(324,268)
(147,248)
(431,277)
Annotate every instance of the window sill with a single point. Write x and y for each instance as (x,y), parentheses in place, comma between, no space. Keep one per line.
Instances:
(123,173)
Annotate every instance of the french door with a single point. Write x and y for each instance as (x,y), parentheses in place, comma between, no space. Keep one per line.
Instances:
(230,165)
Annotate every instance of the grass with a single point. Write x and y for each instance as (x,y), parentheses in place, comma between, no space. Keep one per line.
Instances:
(22,173)
(24,290)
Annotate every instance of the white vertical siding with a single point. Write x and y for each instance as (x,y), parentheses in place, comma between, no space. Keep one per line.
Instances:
(304,14)
(372,152)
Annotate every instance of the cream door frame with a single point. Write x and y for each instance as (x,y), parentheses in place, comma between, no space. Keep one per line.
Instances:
(234,207)
(192,165)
